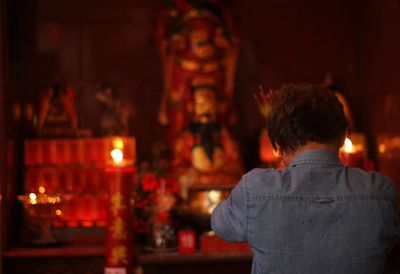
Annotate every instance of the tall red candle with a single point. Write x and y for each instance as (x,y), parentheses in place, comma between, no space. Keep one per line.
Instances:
(119,241)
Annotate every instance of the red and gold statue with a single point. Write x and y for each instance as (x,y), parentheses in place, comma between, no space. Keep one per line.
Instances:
(199,49)
(197,41)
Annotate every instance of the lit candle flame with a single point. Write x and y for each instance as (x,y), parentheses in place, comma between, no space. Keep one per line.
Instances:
(117,155)
(348,146)
(32,198)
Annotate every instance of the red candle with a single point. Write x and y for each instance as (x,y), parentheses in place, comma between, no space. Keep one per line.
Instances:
(350,157)
(33,152)
(76,151)
(61,152)
(119,241)
(354,159)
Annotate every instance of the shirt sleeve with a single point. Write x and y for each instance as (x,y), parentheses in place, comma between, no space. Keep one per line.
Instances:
(229,218)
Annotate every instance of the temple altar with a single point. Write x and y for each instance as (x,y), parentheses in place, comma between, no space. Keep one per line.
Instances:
(74,75)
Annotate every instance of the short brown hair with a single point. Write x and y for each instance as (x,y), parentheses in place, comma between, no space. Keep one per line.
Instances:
(305,113)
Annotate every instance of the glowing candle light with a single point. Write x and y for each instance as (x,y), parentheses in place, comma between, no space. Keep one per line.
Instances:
(42,190)
(32,198)
(382,148)
(117,155)
(350,155)
(348,146)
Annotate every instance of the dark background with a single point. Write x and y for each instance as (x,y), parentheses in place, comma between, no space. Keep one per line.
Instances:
(87,42)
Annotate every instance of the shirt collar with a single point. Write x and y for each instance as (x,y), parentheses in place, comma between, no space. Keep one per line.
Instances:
(316,156)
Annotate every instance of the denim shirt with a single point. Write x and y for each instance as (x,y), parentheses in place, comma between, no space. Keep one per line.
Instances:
(316,216)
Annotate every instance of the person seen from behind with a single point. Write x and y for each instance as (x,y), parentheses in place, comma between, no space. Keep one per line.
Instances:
(315,215)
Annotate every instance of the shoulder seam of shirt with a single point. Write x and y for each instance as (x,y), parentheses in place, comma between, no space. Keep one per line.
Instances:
(316,161)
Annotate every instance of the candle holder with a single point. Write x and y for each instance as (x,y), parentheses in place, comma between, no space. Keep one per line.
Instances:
(41,210)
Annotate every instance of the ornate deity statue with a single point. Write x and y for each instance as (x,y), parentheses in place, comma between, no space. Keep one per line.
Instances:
(197,41)
(199,52)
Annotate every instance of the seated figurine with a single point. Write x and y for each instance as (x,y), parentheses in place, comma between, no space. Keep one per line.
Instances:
(206,149)
(57,114)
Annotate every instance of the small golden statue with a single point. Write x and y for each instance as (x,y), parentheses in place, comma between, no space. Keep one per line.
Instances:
(57,112)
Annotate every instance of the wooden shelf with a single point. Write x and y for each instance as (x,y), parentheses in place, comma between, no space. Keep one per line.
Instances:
(196,258)
(56,251)
(144,258)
